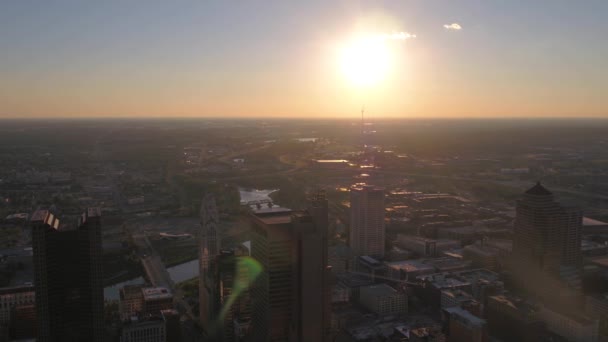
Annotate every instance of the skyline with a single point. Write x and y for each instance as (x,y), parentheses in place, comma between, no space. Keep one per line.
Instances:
(469,59)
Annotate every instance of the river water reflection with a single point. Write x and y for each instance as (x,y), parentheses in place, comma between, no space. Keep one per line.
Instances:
(178,273)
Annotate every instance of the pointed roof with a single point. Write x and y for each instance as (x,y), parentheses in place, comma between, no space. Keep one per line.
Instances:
(538,190)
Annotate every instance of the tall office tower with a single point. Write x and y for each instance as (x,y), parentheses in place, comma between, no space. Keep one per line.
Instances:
(547,235)
(290,298)
(68,277)
(209,248)
(367,220)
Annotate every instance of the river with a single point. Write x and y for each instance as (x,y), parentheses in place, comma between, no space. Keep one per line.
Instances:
(178,273)
(187,270)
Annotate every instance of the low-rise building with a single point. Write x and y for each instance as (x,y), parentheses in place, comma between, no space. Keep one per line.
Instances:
(435,283)
(597,306)
(592,226)
(482,256)
(371,266)
(23,322)
(353,282)
(512,319)
(592,248)
(571,325)
(383,299)
(12,297)
(465,327)
(131,301)
(448,264)
(409,269)
(455,298)
(484,283)
(150,329)
(156,299)
(425,247)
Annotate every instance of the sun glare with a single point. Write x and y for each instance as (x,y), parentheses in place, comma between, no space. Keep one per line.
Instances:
(365,61)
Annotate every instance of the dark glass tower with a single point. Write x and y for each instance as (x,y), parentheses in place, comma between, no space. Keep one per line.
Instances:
(68,277)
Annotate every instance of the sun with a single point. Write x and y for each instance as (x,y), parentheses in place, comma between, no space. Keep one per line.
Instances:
(365,61)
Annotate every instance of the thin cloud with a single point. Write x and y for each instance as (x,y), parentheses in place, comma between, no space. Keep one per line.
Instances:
(389,36)
(453,26)
(396,36)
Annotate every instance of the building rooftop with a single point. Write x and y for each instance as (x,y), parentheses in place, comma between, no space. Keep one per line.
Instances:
(446,264)
(169,312)
(487,251)
(464,315)
(366,187)
(331,161)
(538,190)
(410,266)
(16,289)
(601,261)
(516,303)
(379,290)
(592,222)
(271,216)
(457,294)
(477,274)
(441,281)
(156,293)
(370,261)
(354,280)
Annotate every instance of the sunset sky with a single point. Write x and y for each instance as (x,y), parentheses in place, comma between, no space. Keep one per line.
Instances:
(473,58)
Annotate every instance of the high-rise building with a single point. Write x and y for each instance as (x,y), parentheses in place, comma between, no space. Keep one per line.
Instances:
(68,277)
(291,296)
(367,229)
(547,235)
(209,249)
(172,325)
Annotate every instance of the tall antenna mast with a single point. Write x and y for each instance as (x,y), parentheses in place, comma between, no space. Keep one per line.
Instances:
(363,127)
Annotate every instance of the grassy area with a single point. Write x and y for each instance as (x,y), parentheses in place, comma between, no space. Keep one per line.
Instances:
(189,288)
(118,268)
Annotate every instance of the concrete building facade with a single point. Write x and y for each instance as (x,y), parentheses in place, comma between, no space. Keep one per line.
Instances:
(367,230)
(291,297)
(12,297)
(547,236)
(383,299)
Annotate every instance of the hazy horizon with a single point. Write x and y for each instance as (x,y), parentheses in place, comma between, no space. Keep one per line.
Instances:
(442,59)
